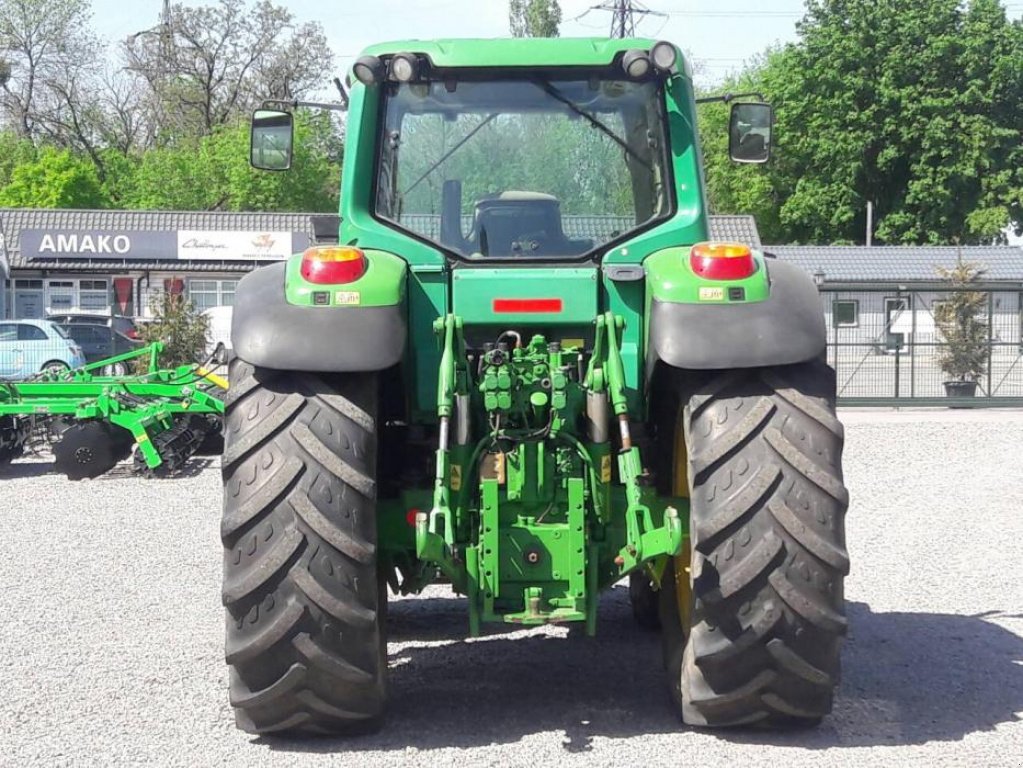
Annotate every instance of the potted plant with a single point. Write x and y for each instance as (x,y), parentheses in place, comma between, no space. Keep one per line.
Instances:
(962,322)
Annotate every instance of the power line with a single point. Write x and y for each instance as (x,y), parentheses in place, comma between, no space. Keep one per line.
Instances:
(623,16)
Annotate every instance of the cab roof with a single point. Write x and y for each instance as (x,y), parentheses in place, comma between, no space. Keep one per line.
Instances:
(515,51)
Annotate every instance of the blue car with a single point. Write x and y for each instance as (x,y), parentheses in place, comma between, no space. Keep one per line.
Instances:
(29,347)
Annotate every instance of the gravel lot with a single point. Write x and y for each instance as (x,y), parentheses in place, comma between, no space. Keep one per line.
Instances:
(111,637)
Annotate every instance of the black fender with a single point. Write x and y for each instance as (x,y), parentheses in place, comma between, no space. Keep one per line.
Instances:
(268,332)
(787,327)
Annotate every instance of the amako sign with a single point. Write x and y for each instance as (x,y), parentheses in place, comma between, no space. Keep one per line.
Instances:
(184,245)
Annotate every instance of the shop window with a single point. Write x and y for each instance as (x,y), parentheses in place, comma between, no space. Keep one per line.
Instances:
(93,295)
(60,296)
(206,294)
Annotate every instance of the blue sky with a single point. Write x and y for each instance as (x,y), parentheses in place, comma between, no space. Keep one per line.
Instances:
(721,34)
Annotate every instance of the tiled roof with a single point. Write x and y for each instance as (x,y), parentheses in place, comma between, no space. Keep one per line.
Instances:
(739,229)
(903,263)
(14,220)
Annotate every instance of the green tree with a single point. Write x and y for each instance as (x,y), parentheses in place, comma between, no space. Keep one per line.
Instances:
(962,323)
(213,173)
(534,18)
(183,330)
(734,187)
(909,104)
(54,179)
(14,151)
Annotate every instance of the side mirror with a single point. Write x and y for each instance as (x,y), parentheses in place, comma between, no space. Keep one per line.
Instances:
(271,140)
(749,132)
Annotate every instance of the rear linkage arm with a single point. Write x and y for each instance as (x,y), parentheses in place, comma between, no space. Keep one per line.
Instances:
(644,540)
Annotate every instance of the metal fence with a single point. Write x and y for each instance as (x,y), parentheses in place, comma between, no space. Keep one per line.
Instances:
(885,343)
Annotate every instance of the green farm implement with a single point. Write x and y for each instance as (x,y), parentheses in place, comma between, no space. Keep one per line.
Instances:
(95,419)
(521,369)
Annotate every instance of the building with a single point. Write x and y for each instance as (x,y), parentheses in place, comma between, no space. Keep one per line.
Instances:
(115,261)
(879,307)
(67,260)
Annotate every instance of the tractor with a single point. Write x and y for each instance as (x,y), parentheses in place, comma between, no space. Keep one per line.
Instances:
(520,367)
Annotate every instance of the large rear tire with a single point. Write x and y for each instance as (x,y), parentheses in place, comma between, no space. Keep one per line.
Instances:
(305,606)
(768,549)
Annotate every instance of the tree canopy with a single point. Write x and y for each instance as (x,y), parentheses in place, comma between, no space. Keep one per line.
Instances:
(164,124)
(909,104)
(534,18)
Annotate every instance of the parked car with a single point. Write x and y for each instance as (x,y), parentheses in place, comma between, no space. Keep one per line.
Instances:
(28,347)
(99,342)
(219,319)
(123,325)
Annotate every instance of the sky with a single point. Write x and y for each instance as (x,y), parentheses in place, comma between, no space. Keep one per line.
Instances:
(720,34)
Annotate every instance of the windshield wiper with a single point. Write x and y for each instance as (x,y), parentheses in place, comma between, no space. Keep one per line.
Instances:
(449,153)
(553,92)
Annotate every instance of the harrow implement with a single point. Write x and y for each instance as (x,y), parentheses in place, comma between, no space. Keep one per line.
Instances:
(167,413)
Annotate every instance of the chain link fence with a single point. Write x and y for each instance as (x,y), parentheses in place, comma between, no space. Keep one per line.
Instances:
(886,346)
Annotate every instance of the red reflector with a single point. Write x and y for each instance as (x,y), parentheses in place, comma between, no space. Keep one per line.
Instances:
(410,517)
(527,305)
(722,261)
(333,265)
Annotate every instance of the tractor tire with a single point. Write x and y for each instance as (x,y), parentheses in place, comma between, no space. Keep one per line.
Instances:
(305,606)
(768,550)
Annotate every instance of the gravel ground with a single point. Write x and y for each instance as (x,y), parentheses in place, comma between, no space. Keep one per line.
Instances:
(111,638)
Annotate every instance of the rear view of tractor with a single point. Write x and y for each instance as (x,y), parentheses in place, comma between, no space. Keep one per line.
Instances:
(523,370)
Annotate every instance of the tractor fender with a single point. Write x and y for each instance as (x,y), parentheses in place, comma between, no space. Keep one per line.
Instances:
(268,331)
(786,327)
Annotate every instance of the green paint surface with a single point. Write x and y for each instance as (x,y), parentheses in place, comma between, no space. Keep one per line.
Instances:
(474,292)
(382,285)
(670,277)
(514,52)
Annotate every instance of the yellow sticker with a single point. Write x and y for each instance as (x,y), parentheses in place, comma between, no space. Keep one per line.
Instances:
(712,294)
(456,477)
(605,469)
(347,297)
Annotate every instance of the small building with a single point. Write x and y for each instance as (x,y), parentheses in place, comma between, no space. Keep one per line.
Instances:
(115,261)
(879,307)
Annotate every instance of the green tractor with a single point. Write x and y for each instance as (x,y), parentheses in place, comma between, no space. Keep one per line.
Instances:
(521,369)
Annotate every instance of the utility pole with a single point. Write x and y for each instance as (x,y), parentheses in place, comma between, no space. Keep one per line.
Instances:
(623,16)
(166,41)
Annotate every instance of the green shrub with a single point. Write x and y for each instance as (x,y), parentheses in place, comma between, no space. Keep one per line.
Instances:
(179,325)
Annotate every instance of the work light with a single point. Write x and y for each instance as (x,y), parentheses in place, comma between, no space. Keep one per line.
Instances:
(636,63)
(404,67)
(368,70)
(664,55)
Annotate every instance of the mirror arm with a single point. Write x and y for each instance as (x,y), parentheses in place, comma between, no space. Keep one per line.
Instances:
(286,106)
(727,98)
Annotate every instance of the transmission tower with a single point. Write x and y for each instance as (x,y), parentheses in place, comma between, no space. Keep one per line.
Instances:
(623,16)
